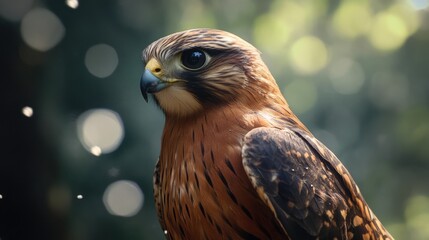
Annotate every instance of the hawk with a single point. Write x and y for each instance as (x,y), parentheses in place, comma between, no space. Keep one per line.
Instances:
(235,161)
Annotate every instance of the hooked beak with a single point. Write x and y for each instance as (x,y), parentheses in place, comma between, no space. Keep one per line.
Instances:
(149,83)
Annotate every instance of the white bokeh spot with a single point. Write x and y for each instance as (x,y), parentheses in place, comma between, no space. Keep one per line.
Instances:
(72,3)
(27,111)
(14,10)
(101,60)
(41,29)
(100,131)
(123,198)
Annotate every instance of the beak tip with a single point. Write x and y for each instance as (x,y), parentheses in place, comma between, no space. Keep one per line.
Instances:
(150,83)
(144,94)
(143,89)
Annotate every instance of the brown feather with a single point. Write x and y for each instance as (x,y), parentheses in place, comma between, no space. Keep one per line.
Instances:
(201,188)
(228,199)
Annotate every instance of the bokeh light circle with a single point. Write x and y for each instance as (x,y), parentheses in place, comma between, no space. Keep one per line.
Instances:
(352,18)
(14,10)
(41,29)
(72,3)
(389,32)
(308,55)
(417,216)
(27,111)
(101,60)
(275,37)
(419,4)
(100,131)
(123,198)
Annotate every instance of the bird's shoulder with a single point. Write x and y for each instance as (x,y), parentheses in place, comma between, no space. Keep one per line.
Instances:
(306,186)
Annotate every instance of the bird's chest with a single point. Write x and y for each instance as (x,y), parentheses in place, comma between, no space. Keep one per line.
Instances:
(202,192)
(190,182)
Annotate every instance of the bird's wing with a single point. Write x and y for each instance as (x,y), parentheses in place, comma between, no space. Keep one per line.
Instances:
(305,185)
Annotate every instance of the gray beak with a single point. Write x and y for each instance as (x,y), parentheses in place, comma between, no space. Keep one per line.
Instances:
(149,83)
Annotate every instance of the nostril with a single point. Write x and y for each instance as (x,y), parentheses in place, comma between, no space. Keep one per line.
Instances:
(151,87)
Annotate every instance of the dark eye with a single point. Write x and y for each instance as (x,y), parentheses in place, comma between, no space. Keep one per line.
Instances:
(193,59)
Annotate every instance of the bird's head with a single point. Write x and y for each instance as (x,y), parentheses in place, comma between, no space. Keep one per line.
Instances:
(195,70)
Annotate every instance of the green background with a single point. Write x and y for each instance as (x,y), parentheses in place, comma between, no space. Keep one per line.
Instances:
(355,72)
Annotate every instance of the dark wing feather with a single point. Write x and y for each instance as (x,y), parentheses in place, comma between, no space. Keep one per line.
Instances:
(308,189)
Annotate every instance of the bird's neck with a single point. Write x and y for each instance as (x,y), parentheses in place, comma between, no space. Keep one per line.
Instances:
(234,118)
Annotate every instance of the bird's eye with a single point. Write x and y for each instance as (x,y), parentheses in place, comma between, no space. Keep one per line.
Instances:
(193,59)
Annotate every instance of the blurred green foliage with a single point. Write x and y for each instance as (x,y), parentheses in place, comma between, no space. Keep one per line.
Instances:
(355,72)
